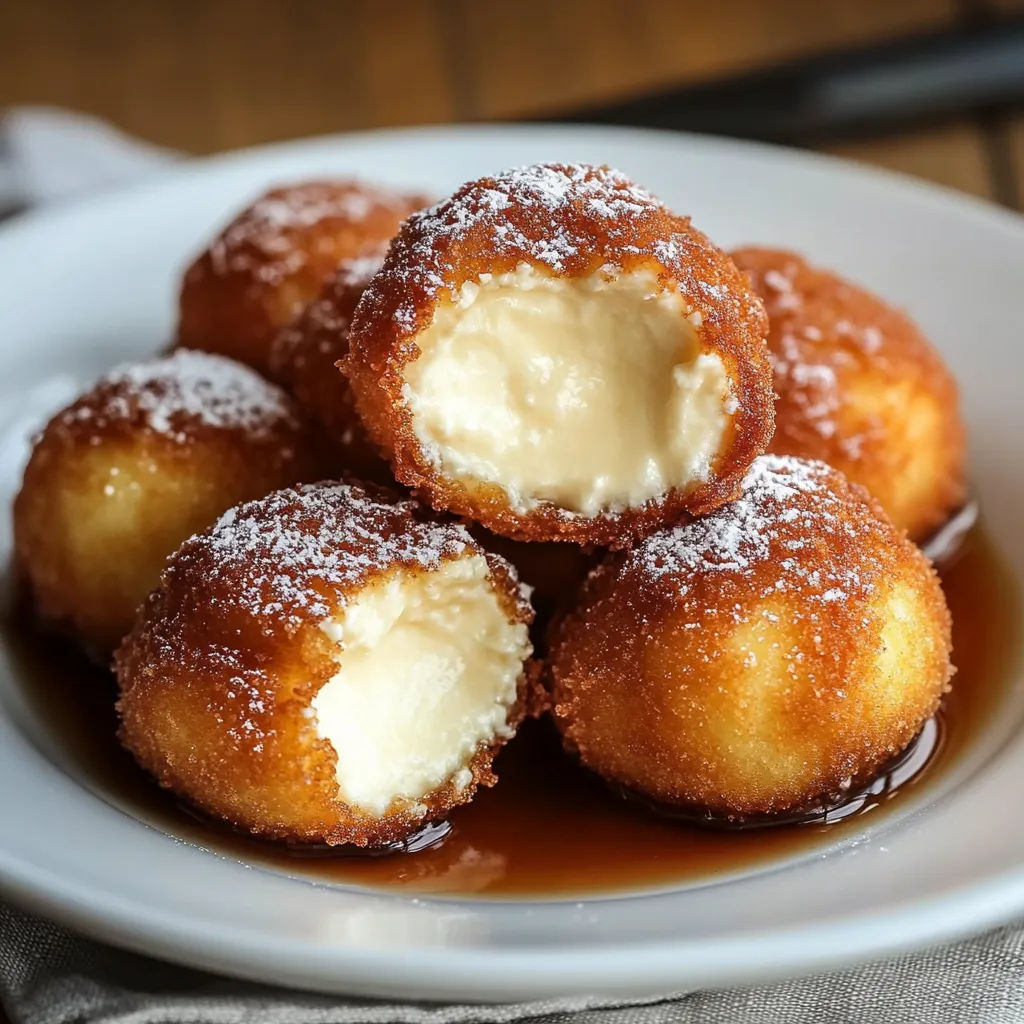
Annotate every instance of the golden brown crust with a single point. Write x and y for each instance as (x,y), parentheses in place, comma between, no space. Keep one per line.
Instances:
(152,453)
(217,676)
(860,388)
(742,664)
(304,358)
(273,258)
(567,221)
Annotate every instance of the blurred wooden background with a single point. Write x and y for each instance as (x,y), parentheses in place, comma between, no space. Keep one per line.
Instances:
(204,76)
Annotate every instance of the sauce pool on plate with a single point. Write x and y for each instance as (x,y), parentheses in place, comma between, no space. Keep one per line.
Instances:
(549,829)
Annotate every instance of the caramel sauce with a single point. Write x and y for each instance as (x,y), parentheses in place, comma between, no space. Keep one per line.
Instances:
(549,829)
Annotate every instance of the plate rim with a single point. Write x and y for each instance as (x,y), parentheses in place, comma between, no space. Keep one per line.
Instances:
(491,975)
(414,971)
(994,215)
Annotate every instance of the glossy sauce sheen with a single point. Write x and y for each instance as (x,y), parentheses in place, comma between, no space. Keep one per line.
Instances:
(549,829)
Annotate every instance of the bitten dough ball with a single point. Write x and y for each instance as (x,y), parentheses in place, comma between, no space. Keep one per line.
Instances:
(862,389)
(303,359)
(324,665)
(766,658)
(554,354)
(116,481)
(274,257)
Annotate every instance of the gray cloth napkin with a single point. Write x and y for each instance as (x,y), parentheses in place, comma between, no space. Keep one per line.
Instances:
(51,976)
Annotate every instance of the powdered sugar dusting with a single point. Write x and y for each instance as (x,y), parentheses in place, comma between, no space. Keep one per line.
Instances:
(823,332)
(269,225)
(358,271)
(537,193)
(787,504)
(812,387)
(298,554)
(807,362)
(781,285)
(289,228)
(326,320)
(171,395)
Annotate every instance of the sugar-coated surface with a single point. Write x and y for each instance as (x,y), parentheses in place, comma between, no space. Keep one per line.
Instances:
(808,368)
(184,390)
(304,358)
(324,322)
(536,192)
(358,271)
(765,658)
(860,388)
(296,553)
(563,222)
(740,537)
(143,459)
(257,613)
(274,258)
(261,239)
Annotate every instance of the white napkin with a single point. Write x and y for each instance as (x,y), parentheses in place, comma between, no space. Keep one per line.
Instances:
(48,155)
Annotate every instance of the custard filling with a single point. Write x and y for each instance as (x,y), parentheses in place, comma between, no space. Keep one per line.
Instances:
(589,393)
(428,670)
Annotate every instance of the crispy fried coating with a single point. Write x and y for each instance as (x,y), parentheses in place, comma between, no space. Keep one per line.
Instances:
(764,659)
(220,674)
(304,357)
(274,257)
(567,222)
(116,481)
(860,388)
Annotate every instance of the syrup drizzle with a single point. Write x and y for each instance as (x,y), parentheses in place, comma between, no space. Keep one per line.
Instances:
(551,829)
(905,766)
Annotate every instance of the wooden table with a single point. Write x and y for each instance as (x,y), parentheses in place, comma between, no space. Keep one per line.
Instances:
(204,76)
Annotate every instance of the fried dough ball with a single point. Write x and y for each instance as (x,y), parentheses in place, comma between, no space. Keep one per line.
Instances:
(274,257)
(860,388)
(116,481)
(554,354)
(324,665)
(764,659)
(303,359)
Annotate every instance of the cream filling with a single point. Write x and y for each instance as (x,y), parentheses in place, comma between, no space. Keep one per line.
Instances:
(588,393)
(428,669)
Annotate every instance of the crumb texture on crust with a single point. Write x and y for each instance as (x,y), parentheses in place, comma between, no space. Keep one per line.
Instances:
(564,222)
(219,676)
(261,240)
(322,327)
(761,659)
(176,393)
(744,537)
(860,388)
(296,554)
(116,481)
(304,358)
(272,259)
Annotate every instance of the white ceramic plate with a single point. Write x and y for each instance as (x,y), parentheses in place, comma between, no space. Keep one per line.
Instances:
(84,286)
